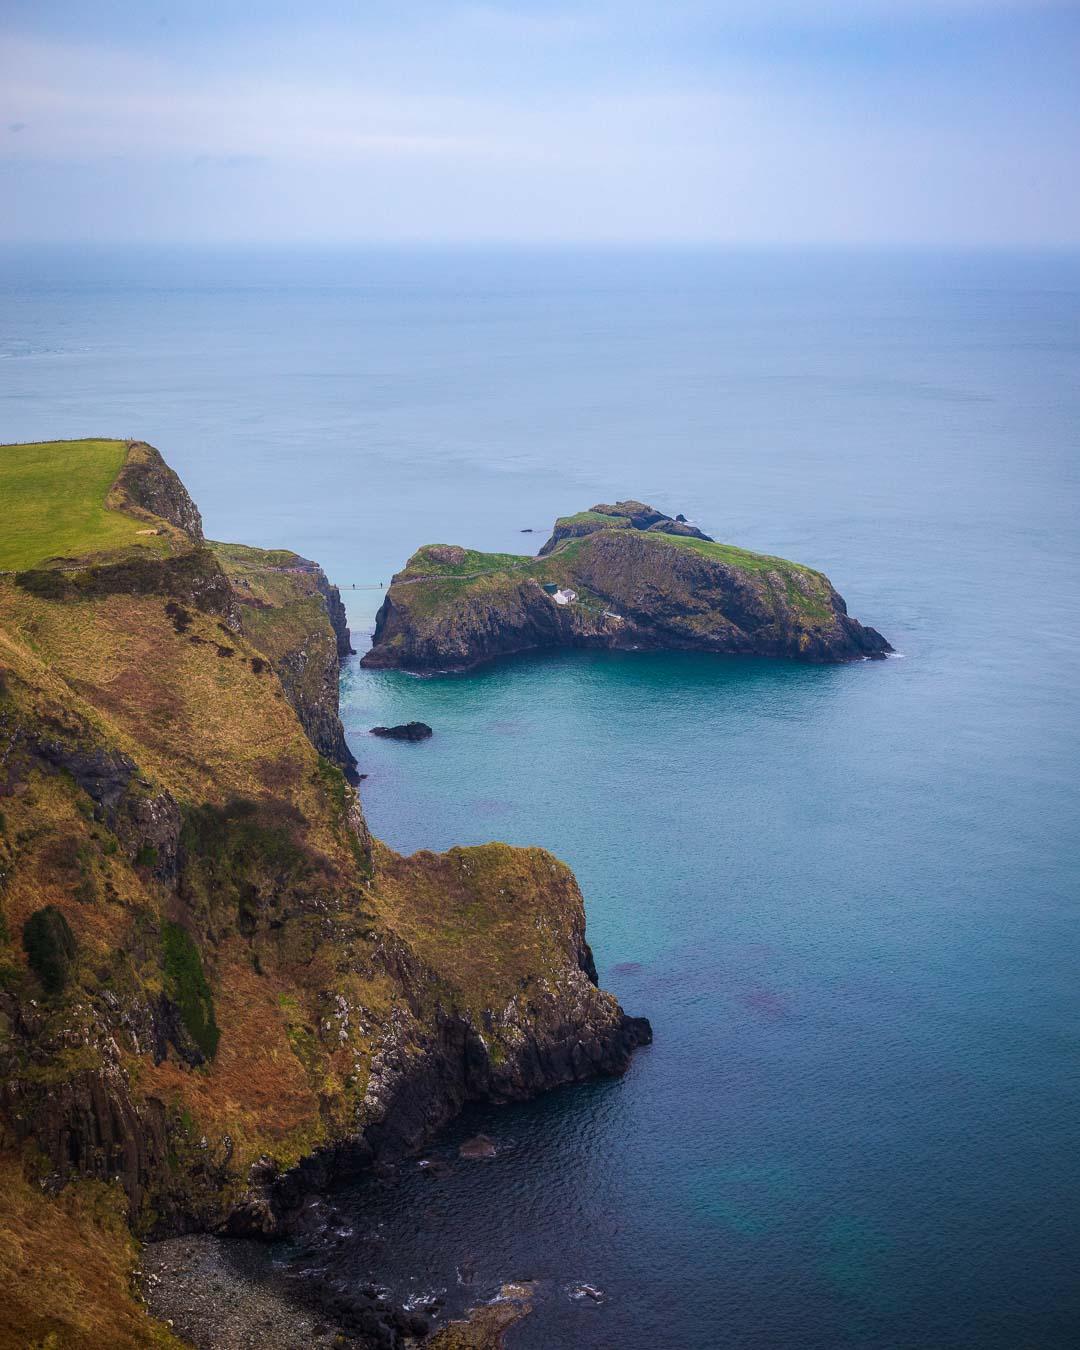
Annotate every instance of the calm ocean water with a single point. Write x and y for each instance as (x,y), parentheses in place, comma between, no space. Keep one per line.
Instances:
(847,898)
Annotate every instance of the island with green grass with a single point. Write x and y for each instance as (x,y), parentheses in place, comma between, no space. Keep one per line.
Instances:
(622,576)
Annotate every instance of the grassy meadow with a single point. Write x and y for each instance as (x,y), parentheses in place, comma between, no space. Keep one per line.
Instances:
(53,502)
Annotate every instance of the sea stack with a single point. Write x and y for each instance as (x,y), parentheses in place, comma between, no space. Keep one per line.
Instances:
(623,576)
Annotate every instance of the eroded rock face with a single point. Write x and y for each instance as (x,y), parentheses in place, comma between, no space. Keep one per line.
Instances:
(433,1054)
(86,1123)
(335,608)
(294,615)
(145,821)
(148,483)
(643,585)
(309,676)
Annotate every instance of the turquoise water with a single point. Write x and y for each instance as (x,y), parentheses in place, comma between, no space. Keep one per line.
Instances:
(846,897)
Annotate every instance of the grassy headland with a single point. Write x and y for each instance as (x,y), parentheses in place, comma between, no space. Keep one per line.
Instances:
(54,495)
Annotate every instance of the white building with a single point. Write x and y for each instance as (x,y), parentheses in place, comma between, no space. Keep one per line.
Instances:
(564,597)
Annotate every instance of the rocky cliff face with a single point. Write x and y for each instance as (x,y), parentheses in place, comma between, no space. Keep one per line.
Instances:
(615,577)
(147,486)
(292,613)
(215,987)
(335,608)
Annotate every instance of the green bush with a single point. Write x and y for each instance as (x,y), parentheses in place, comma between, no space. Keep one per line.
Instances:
(186,985)
(50,947)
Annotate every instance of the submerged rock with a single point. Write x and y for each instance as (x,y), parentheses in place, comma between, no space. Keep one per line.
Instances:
(479,1146)
(485,1327)
(407,731)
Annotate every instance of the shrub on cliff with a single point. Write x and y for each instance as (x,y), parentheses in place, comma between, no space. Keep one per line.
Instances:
(50,947)
(187,986)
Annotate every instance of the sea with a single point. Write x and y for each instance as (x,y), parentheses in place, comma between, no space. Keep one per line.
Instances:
(845,896)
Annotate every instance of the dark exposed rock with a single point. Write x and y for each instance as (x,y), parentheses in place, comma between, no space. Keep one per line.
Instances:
(479,1146)
(407,731)
(87,1123)
(679,527)
(335,608)
(149,826)
(104,775)
(309,676)
(622,515)
(274,591)
(146,823)
(155,1026)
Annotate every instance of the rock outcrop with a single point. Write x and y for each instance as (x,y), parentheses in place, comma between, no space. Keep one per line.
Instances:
(146,486)
(628,515)
(622,576)
(407,731)
(216,989)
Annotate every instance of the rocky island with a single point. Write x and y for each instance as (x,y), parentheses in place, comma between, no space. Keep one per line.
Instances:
(616,576)
(216,988)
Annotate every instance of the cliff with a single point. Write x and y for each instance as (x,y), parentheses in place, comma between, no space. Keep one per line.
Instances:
(623,576)
(290,612)
(215,987)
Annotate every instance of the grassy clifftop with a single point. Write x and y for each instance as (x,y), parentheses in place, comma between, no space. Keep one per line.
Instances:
(54,495)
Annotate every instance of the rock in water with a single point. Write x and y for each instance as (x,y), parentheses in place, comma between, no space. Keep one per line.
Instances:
(407,731)
(479,1146)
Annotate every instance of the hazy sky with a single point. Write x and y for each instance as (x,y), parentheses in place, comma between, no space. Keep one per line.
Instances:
(748,121)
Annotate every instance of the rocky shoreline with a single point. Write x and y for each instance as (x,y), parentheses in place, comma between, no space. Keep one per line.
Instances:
(224,1294)
(230,1294)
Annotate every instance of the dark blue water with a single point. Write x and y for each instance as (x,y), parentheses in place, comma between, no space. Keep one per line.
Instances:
(847,898)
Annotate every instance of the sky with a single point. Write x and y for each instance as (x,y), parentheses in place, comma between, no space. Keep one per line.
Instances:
(735,122)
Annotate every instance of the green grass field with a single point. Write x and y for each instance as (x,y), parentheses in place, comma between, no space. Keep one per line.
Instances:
(594,517)
(52,502)
(471,562)
(736,557)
